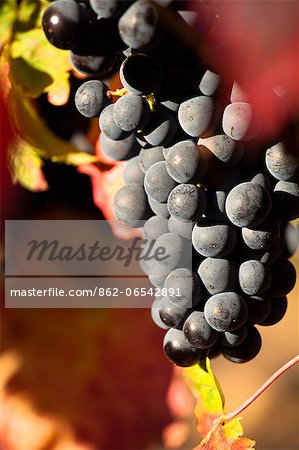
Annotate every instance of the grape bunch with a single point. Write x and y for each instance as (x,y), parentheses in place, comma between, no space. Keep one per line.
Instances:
(198,171)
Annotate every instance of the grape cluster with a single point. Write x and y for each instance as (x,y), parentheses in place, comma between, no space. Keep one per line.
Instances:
(197,171)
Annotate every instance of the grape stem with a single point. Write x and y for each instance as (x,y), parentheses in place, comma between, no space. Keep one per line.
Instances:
(262,389)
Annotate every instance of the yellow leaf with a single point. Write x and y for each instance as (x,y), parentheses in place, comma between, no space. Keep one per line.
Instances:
(208,395)
(33,129)
(75,159)
(227,436)
(37,54)
(26,167)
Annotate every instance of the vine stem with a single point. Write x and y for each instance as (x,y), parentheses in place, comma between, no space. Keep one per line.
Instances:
(262,389)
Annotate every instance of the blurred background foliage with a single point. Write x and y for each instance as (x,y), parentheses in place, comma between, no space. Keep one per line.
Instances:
(97,379)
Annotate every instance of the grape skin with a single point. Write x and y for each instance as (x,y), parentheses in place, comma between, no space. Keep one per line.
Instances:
(185,282)
(281,163)
(247,350)
(218,275)
(91,98)
(109,127)
(149,156)
(132,172)
(177,251)
(159,208)
(248,204)
(195,115)
(122,149)
(64,23)
(187,202)
(179,350)
(155,227)
(137,26)
(131,112)
(180,228)
(226,311)
(157,183)
(254,277)
(198,331)
(185,161)
(211,240)
(130,205)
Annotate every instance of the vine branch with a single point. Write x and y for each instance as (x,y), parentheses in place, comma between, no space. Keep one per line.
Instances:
(262,389)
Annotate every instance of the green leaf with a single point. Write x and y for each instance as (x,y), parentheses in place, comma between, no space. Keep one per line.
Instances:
(51,64)
(33,81)
(8,14)
(208,395)
(26,167)
(29,15)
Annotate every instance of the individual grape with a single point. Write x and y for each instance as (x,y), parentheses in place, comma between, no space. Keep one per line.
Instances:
(138,25)
(100,66)
(180,228)
(140,74)
(155,227)
(254,277)
(171,314)
(179,350)
(261,237)
(283,278)
(239,123)
(131,112)
(218,275)
(227,151)
(211,240)
(130,205)
(158,183)
(209,83)
(185,283)
(187,202)
(279,307)
(233,338)
(161,128)
(156,315)
(281,163)
(215,205)
(91,98)
(119,150)
(186,161)
(226,311)
(149,156)
(259,308)
(109,127)
(247,350)
(195,115)
(160,209)
(286,200)
(104,8)
(198,331)
(248,205)
(176,251)
(132,172)
(64,23)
